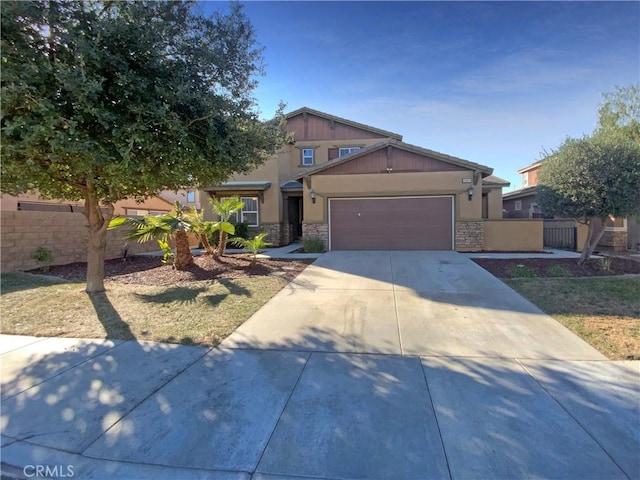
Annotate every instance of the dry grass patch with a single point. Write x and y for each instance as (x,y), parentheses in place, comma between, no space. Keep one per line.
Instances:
(605,312)
(200,313)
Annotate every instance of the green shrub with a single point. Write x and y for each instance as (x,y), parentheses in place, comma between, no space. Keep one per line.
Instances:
(167,254)
(313,244)
(521,271)
(43,256)
(557,271)
(252,245)
(214,238)
(242,230)
(605,264)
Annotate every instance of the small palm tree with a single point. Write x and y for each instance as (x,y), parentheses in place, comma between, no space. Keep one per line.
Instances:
(225,207)
(204,229)
(252,245)
(175,224)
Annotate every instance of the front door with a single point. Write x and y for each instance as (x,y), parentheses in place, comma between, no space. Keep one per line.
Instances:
(295,216)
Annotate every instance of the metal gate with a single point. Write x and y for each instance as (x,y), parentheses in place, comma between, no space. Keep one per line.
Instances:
(560,237)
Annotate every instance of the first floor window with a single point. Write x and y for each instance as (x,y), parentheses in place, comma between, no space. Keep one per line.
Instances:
(518,205)
(249,212)
(191,197)
(344,151)
(307,156)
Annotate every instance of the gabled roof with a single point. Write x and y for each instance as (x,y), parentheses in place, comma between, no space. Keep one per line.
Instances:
(344,121)
(530,167)
(521,192)
(497,181)
(291,185)
(402,146)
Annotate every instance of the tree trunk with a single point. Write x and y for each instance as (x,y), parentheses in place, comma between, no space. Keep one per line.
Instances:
(222,243)
(97,239)
(594,234)
(206,245)
(183,252)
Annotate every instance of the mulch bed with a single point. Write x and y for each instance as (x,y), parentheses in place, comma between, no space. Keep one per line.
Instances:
(544,267)
(144,270)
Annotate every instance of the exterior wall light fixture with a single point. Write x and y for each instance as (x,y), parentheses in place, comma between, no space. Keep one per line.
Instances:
(313,196)
(470,192)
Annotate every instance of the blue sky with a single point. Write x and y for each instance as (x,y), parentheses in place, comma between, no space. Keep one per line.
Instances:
(491,82)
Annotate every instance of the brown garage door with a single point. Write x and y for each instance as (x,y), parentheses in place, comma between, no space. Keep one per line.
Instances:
(400,223)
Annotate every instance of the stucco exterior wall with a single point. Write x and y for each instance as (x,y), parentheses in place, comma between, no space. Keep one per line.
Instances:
(511,235)
(494,198)
(9,203)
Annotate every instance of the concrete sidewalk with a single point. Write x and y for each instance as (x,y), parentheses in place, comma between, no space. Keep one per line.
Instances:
(424,367)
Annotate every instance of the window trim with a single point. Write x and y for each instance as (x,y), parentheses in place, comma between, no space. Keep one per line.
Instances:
(350,151)
(303,157)
(256,211)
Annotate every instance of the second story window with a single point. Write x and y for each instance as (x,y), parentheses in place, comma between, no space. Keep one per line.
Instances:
(307,156)
(525,179)
(191,197)
(344,151)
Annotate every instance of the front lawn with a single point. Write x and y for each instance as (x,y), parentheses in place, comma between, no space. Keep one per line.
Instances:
(603,311)
(147,302)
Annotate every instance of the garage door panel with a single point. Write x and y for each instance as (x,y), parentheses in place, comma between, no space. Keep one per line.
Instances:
(402,223)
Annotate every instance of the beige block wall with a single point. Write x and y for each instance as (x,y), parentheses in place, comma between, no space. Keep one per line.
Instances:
(64,234)
(363,185)
(512,235)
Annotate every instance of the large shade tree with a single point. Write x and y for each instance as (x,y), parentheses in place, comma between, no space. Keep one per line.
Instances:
(592,179)
(107,100)
(597,177)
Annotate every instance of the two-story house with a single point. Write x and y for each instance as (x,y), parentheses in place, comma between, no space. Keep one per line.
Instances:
(521,203)
(362,188)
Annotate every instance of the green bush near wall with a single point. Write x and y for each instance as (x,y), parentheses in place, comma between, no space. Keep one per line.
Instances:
(313,244)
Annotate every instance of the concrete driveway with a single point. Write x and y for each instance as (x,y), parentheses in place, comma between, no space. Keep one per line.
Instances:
(371,365)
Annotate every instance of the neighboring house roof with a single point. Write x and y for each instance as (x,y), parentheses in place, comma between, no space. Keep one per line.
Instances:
(403,146)
(239,186)
(344,121)
(520,192)
(530,167)
(492,180)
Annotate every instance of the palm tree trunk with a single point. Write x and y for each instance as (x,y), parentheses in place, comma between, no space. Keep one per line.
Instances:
(183,252)
(222,243)
(206,245)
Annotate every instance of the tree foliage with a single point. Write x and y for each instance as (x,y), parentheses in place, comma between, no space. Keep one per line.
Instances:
(597,177)
(225,208)
(591,178)
(619,114)
(105,100)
